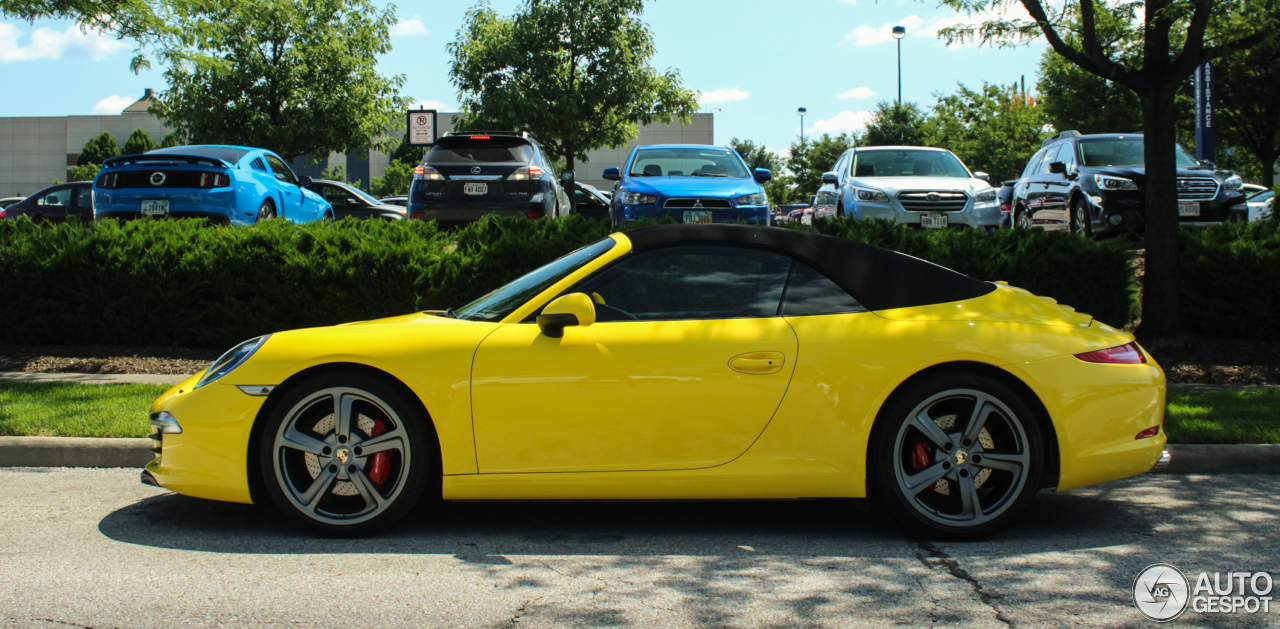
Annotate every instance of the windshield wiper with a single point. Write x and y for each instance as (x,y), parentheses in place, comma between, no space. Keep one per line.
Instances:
(709,175)
(447,313)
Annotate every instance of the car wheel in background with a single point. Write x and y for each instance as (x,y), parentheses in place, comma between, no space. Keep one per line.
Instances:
(1080,218)
(345,453)
(1023,221)
(958,456)
(266,211)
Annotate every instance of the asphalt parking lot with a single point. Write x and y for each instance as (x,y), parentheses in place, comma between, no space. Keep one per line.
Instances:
(94,548)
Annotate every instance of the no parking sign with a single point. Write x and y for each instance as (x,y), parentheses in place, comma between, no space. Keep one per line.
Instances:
(422,127)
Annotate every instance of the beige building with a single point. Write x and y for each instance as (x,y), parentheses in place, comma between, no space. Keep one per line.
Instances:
(35,151)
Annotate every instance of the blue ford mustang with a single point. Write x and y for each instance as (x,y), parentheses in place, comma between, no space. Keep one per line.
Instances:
(225,184)
(691,183)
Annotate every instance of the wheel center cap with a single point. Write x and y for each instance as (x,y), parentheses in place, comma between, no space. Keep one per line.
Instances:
(961,457)
(343,455)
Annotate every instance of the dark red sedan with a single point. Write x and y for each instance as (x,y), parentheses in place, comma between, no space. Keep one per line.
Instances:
(55,203)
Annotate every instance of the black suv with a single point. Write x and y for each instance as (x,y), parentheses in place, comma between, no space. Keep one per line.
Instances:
(1093,184)
(467,175)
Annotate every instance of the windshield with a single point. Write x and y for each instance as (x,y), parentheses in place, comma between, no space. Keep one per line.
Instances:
(687,162)
(908,163)
(1124,152)
(496,305)
(364,195)
(229,155)
(494,150)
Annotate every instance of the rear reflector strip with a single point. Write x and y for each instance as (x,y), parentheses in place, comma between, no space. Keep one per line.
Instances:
(1148,433)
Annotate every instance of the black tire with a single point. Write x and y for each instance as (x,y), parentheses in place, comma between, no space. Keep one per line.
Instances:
(1080,221)
(266,210)
(1022,220)
(315,465)
(949,481)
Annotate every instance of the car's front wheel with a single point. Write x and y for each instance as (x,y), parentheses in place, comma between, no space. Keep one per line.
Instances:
(1080,221)
(957,456)
(345,453)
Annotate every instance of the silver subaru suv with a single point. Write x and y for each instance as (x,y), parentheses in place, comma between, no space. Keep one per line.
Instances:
(911,185)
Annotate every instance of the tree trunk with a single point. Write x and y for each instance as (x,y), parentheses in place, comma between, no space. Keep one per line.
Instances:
(1160,287)
(568,161)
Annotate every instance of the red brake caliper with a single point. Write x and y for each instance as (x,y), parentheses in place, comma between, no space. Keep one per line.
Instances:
(921,455)
(381,466)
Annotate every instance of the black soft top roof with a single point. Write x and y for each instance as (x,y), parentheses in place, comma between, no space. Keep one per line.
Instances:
(878,278)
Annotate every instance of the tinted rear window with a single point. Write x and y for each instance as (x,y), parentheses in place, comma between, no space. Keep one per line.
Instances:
(228,155)
(467,150)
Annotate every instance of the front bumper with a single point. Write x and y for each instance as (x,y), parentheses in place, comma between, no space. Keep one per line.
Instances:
(1124,210)
(984,216)
(738,214)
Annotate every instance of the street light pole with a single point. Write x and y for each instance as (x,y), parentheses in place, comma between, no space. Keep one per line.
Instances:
(898,33)
(802,112)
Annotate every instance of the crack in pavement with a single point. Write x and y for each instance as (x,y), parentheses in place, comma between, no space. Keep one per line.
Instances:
(937,558)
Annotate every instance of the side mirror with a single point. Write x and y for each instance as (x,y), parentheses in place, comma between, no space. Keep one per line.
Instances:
(566,176)
(612,173)
(1057,168)
(574,309)
(830,177)
(983,176)
(304,181)
(762,175)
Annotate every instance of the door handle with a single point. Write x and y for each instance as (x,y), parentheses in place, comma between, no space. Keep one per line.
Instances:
(757,363)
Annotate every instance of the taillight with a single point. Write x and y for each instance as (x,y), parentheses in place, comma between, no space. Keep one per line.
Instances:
(417,215)
(428,173)
(1005,208)
(3,212)
(526,172)
(108,180)
(533,215)
(213,180)
(479,137)
(1148,433)
(1127,354)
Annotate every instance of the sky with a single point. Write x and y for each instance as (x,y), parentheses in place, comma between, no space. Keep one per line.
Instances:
(754,62)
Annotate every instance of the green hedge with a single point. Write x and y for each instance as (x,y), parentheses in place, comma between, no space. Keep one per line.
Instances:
(185,283)
(1231,280)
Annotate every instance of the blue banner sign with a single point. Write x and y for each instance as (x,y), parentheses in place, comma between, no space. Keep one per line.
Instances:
(1204,112)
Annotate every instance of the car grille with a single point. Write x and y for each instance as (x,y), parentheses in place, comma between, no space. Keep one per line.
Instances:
(172,178)
(1197,188)
(697,204)
(933,201)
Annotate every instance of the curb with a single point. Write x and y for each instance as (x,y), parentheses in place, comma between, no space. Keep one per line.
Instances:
(91,378)
(107,452)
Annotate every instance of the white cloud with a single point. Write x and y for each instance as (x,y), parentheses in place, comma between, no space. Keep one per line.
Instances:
(842,122)
(868,35)
(46,43)
(857,92)
(918,28)
(433,104)
(724,95)
(411,26)
(112,104)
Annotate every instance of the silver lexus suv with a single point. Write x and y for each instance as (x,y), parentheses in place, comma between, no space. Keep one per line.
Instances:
(911,185)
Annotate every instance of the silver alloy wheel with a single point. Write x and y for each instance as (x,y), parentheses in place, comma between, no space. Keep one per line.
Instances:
(1080,218)
(332,463)
(1024,220)
(975,458)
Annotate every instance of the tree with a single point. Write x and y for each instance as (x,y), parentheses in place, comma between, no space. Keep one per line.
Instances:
(127,19)
(1248,106)
(297,77)
(171,140)
(407,153)
(85,172)
(895,125)
(993,130)
(395,180)
(139,142)
(574,73)
(809,160)
(97,150)
(1150,48)
(781,187)
(1073,99)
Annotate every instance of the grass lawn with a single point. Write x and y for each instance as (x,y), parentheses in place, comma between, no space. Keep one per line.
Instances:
(57,409)
(1227,416)
(67,409)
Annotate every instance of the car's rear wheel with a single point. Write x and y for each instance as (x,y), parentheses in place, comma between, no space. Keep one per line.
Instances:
(266,210)
(1023,221)
(345,454)
(1080,221)
(957,456)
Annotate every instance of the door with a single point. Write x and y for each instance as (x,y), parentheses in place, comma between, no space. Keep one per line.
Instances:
(344,203)
(683,369)
(54,205)
(290,196)
(83,206)
(1056,186)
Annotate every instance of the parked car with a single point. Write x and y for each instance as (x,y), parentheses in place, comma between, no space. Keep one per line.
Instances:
(225,184)
(823,205)
(691,183)
(678,362)
(588,201)
(791,212)
(402,201)
(55,204)
(911,185)
(350,201)
(1261,204)
(1092,184)
(469,174)
(1250,189)
(7,201)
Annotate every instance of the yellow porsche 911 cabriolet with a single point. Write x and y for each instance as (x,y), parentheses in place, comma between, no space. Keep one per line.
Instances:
(679,362)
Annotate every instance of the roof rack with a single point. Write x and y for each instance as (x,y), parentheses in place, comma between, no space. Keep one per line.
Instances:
(1059,136)
(512,134)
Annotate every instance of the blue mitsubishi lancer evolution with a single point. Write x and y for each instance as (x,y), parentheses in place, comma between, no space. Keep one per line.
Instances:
(691,183)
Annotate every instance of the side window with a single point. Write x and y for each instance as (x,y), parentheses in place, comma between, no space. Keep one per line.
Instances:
(281,170)
(1066,155)
(84,197)
(685,283)
(1033,164)
(1048,158)
(57,198)
(809,292)
(842,167)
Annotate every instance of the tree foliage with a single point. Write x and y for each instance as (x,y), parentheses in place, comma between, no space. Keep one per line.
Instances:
(294,76)
(1248,106)
(171,140)
(98,149)
(127,19)
(395,180)
(1073,99)
(895,124)
(575,73)
(993,130)
(139,142)
(810,159)
(781,187)
(85,172)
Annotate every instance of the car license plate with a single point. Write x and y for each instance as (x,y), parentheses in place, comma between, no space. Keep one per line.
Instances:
(475,188)
(1188,208)
(155,207)
(697,217)
(933,221)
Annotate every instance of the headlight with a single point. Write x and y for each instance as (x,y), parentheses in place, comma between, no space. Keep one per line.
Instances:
(232,359)
(758,198)
(1114,183)
(1234,182)
(986,196)
(635,198)
(875,196)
